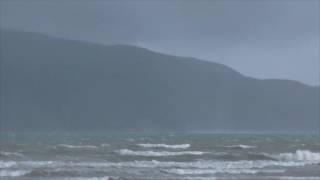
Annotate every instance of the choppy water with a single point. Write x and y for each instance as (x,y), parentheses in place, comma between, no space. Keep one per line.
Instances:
(158,156)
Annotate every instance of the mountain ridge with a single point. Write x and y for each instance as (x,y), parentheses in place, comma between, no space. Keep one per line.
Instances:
(5,31)
(123,87)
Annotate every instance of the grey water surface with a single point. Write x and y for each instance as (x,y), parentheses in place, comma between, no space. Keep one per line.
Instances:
(95,156)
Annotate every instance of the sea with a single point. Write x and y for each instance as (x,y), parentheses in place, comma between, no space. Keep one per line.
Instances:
(150,156)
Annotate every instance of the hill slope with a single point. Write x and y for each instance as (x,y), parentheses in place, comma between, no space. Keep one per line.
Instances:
(56,84)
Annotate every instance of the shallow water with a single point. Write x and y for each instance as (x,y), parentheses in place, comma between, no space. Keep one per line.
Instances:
(97,156)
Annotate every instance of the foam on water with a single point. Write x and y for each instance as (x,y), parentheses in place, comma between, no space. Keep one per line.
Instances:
(203,164)
(293,178)
(76,147)
(30,164)
(95,160)
(105,145)
(13,173)
(299,158)
(241,146)
(91,178)
(128,152)
(8,154)
(300,155)
(200,167)
(7,164)
(173,146)
(216,171)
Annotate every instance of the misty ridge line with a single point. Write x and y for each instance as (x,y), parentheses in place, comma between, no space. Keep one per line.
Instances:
(56,84)
(100,45)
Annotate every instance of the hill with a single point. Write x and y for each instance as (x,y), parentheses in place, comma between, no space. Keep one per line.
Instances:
(56,84)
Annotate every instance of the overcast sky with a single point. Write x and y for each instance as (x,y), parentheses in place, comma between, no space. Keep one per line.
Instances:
(263,39)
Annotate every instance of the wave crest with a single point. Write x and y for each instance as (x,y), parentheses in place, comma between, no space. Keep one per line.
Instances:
(76,147)
(13,173)
(241,146)
(128,152)
(7,164)
(173,146)
(300,155)
(8,154)
(216,171)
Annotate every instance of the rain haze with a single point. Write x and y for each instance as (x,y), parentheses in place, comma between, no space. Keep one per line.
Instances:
(263,39)
(159,89)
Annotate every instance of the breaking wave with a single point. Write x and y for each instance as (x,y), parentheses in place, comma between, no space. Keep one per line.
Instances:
(10,154)
(129,152)
(174,146)
(92,178)
(241,146)
(105,145)
(216,171)
(299,155)
(76,147)
(13,173)
(277,165)
(7,164)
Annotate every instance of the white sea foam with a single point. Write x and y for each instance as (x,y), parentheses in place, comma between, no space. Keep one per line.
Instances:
(4,153)
(173,146)
(241,146)
(200,167)
(293,178)
(208,171)
(30,164)
(201,164)
(247,178)
(300,155)
(216,166)
(128,152)
(76,147)
(38,164)
(13,173)
(105,145)
(7,164)
(91,178)
(221,170)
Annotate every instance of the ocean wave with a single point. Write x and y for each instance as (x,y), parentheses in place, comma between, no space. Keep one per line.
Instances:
(8,154)
(7,164)
(105,145)
(129,152)
(202,164)
(299,155)
(206,164)
(13,173)
(240,146)
(149,164)
(203,171)
(173,146)
(299,158)
(124,178)
(258,156)
(199,178)
(30,164)
(250,156)
(293,178)
(199,167)
(92,178)
(222,170)
(76,147)
(53,172)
